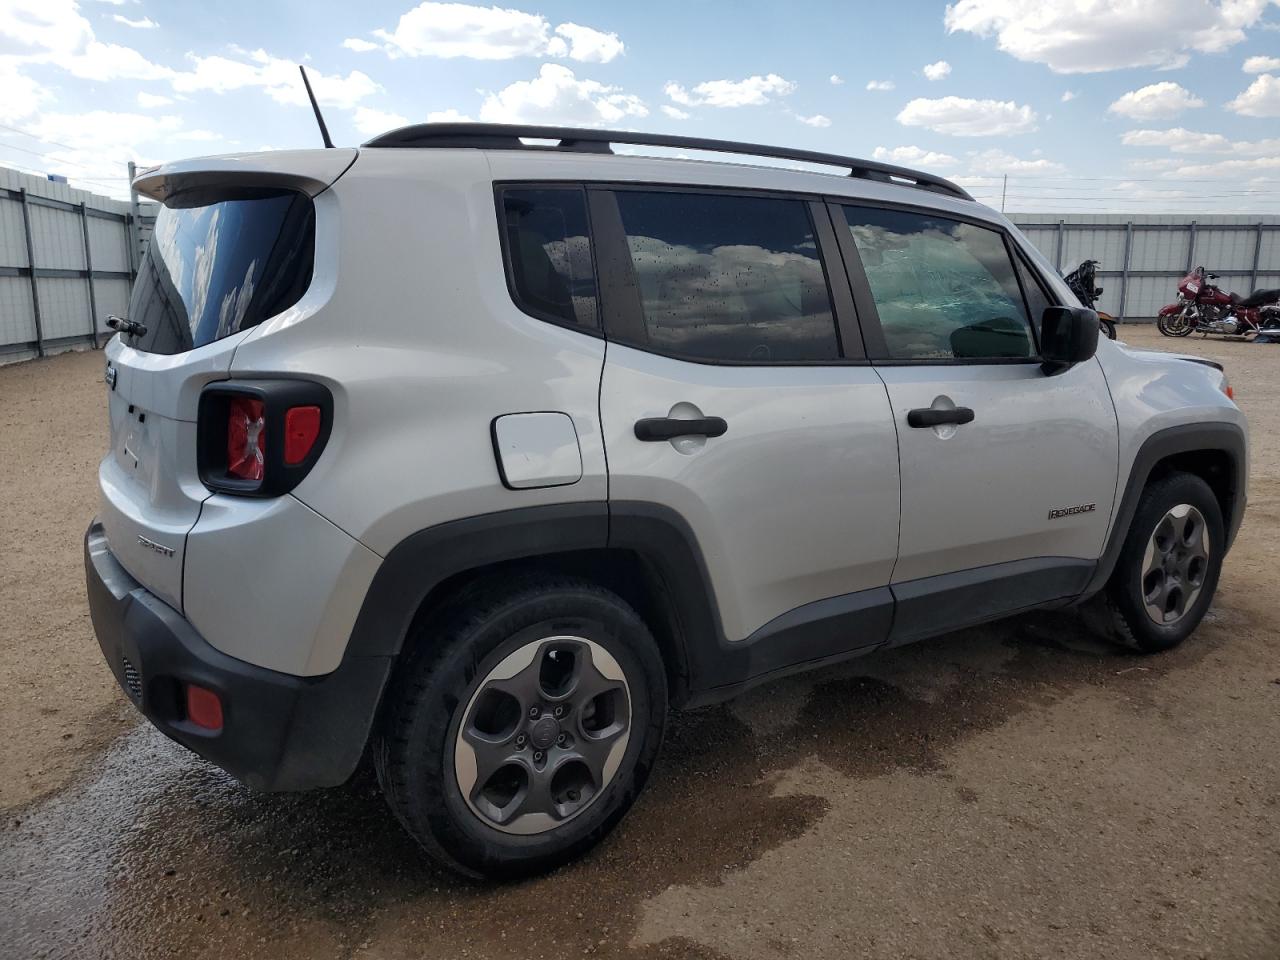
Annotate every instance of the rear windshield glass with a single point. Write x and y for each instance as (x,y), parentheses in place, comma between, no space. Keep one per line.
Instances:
(215,267)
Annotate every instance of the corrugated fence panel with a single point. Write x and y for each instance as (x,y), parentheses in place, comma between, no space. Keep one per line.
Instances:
(17,322)
(1105,246)
(1220,251)
(64,307)
(56,238)
(13,245)
(113,297)
(1147,294)
(1157,249)
(109,244)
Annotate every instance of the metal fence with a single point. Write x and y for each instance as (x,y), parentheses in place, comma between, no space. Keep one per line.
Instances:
(1143,258)
(68,257)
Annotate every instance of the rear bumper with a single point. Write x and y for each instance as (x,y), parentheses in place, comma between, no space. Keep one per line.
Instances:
(280,732)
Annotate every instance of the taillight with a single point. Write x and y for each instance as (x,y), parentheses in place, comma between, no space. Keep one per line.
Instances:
(301,427)
(246,437)
(259,438)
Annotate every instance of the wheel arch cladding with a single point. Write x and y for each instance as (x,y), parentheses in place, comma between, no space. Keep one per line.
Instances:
(1214,451)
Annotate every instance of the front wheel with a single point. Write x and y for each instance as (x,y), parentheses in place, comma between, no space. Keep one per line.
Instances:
(523,726)
(1174,325)
(1168,568)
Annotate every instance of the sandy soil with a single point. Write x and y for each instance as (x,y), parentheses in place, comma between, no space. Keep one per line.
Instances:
(1012,791)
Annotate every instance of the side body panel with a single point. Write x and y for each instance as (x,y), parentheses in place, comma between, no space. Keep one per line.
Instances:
(797,502)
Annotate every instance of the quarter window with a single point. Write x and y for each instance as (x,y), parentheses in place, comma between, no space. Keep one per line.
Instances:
(944,289)
(729,277)
(549,254)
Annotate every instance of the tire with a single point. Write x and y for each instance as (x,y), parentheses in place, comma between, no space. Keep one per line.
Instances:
(1174,326)
(1108,328)
(1134,595)
(577,638)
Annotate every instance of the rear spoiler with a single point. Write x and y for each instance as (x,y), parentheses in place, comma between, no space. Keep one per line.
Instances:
(309,171)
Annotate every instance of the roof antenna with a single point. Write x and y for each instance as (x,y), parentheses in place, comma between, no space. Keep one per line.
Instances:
(324,131)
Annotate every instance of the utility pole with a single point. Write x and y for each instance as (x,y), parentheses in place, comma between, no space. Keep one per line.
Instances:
(134,231)
(1003,192)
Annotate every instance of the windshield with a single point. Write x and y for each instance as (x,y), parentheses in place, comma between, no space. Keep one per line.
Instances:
(215,268)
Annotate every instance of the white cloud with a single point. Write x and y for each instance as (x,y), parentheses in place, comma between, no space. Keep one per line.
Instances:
(490,33)
(962,117)
(1154,101)
(1261,64)
(371,122)
(880,84)
(360,46)
(751,92)
(1180,140)
(276,76)
(448,116)
(913,157)
(22,95)
(152,100)
(1085,36)
(556,96)
(55,33)
(937,70)
(996,162)
(675,113)
(836,79)
(817,120)
(1068,96)
(144,23)
(588,45)
(1229,169)
(1262,99)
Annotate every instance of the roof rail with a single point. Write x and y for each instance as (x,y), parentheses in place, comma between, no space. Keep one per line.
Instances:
(511,136)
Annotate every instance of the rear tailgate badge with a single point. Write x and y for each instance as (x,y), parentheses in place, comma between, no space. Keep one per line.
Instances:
(159,548)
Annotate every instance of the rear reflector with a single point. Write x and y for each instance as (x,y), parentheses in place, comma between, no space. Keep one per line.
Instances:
(301,427)
(246,438)
(204,708)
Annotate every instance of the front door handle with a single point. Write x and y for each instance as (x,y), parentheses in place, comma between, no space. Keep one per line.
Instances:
(668,428)
(935,417)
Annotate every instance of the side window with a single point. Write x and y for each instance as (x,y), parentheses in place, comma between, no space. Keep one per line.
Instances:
(729,277)
(1037,299)
(944,289)
(549,265)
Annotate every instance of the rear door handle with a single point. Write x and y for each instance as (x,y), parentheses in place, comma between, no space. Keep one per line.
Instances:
(934,417)
(668,428)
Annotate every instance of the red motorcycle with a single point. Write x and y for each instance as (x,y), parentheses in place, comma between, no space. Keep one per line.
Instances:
(1206,308)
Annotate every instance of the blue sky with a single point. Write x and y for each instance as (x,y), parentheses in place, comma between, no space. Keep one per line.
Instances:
(1135,105)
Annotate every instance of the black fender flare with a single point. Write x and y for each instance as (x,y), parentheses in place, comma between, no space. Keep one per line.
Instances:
(1210,436)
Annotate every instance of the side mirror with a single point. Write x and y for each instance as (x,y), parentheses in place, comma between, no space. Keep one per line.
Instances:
(1068,335)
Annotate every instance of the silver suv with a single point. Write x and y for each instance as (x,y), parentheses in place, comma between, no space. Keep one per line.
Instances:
(476,448)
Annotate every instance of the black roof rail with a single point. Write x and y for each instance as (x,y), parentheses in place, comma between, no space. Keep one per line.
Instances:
(510,136)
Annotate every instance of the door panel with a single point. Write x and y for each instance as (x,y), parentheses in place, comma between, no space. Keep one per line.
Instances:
(797,501)
(984,492)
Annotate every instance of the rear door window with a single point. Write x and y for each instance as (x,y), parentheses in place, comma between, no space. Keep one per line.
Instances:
(944,289)
(728,277)
(215,267)
(549,265)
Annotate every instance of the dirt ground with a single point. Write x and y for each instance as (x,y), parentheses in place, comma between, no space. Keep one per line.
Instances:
(1011,791)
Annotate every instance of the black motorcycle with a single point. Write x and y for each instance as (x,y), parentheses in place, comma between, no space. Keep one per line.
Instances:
(1082,282)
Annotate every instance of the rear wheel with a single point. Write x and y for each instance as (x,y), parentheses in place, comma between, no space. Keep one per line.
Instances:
(1168,568)
(1108,327)
(523,726)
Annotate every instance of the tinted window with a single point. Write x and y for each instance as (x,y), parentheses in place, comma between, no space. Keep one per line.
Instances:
(1037,299)
(549,248)
(944,289)
(729,278)
(215,268)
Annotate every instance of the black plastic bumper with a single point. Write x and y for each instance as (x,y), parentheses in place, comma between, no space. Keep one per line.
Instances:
(280,732)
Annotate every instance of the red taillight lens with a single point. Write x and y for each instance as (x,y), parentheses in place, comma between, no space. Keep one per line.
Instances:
(204,708)
(246,438)
(301,427)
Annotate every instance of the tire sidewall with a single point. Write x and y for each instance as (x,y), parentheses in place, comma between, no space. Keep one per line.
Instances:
(439,807)
(1127,587)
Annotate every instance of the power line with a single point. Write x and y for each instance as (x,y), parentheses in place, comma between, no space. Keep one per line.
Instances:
(56,143)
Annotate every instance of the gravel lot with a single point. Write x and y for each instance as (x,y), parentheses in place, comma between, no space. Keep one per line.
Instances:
(1013,791)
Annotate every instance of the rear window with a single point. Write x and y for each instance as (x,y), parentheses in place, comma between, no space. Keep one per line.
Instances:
(218,266)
